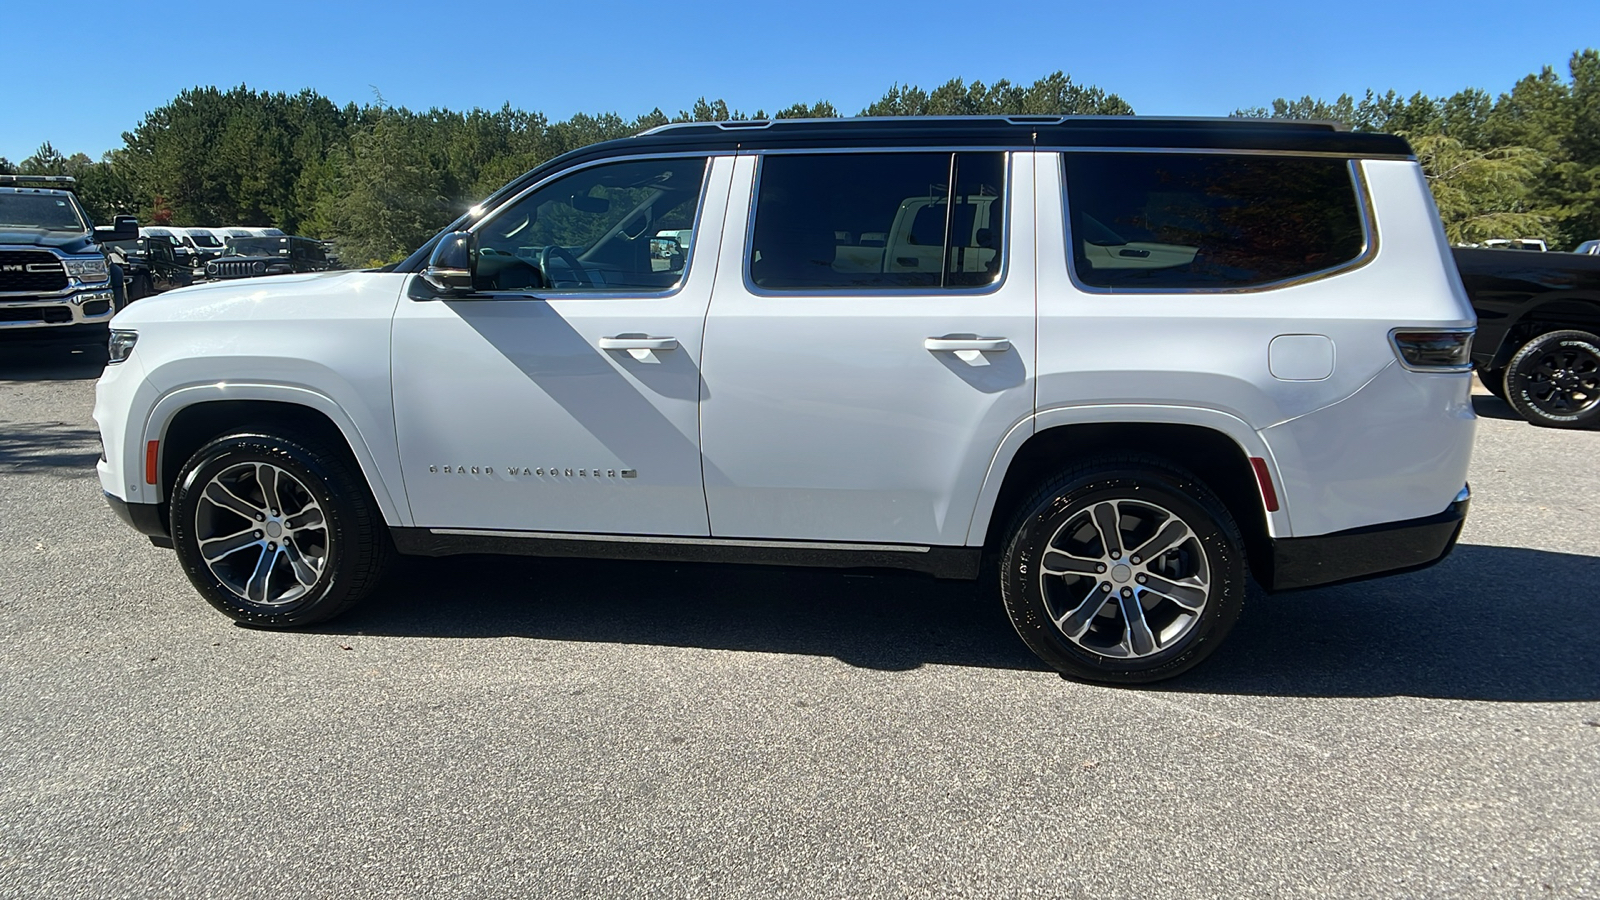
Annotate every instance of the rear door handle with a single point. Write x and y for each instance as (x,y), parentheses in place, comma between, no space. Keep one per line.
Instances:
(989,345)
(634,342)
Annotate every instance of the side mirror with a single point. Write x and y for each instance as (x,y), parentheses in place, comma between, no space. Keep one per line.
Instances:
(122,228)
(450,268)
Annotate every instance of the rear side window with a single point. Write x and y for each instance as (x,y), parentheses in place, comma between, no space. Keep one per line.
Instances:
(1176,221)
(878,221)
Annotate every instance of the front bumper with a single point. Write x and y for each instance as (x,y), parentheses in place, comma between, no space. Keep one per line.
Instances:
(94,305)
(145,518)
(1359,553)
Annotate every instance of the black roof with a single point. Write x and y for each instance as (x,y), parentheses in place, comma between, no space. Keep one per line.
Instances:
(1018,131)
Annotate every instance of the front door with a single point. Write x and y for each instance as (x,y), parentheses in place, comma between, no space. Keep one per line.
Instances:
(869,353)
(564,395)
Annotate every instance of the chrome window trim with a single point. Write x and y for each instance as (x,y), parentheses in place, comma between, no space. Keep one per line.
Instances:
(1368,253)
(568,294)
(748,250)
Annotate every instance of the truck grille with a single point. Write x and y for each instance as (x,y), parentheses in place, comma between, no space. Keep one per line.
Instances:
(242,269)
(53,315)
(31,271)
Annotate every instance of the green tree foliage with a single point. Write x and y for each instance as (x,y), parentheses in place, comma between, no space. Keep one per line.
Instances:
(1481,194)
(1055,94)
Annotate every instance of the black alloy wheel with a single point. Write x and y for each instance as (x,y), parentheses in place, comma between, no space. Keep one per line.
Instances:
(1554,380)
(1123,571)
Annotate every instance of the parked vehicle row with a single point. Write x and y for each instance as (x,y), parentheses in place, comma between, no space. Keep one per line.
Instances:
(1118,368)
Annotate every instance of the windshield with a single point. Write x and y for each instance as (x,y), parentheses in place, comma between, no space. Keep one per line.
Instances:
(204,239)
(254,246)
(52,212)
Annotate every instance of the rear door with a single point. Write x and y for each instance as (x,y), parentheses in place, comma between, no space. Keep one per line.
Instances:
(856,389)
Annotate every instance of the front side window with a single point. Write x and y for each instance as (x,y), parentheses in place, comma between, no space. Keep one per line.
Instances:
(853,221)
(625,226)
(1196,221)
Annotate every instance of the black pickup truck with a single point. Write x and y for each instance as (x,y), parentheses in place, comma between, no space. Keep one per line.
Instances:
(1538,343)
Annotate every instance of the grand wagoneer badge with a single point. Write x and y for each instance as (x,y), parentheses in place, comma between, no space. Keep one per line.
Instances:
(534,472)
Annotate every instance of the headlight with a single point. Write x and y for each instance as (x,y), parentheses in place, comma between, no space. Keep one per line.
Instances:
(88,269)
(120,345)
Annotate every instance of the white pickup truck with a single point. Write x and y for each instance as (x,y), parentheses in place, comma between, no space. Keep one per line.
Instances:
(1122,367)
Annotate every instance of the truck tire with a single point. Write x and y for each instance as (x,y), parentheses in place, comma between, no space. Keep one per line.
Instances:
(1494,381)
(119,291)
(277,530)
(1084,592)
(1554,380)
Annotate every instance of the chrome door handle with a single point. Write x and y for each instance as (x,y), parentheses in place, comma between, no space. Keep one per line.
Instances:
(634,342)
(988,345)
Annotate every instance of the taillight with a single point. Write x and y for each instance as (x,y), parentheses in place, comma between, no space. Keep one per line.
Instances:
(1434,351)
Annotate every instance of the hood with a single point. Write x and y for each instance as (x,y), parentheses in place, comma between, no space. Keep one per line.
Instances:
(263,297)
(65,241)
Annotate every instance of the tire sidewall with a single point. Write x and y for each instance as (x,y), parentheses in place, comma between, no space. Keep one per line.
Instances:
(1205,515)
(222,454)
(1516,379)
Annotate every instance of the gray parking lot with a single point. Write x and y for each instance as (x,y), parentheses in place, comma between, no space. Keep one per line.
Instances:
(572,729)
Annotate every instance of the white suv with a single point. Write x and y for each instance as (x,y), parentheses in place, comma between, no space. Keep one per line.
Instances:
(1120,365)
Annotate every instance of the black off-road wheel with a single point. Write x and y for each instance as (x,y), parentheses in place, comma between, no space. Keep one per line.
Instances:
(1123,571)
(1554,380)
(277,530)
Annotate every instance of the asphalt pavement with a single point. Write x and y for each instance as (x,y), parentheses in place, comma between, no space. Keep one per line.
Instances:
(528,728)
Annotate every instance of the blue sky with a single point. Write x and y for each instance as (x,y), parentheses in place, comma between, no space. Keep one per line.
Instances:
(1165,58)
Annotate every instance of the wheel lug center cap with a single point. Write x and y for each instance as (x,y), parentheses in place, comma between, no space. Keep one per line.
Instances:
(1121,572)
(274,530)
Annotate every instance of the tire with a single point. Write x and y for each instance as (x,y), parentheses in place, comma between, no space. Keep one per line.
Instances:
(119,291)
(1554,380)
(1493,380)
(311,570)
(1187,612)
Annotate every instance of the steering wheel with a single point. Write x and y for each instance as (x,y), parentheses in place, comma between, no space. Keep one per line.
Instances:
(567,259)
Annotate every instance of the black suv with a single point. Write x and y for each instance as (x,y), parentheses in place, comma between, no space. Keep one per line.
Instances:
(152,264)
(254,256)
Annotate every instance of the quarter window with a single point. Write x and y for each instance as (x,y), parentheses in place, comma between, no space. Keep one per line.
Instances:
(1174,221)
(878,220)
(626,226)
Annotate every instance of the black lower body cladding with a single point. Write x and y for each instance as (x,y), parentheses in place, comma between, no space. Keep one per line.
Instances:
(1387,549)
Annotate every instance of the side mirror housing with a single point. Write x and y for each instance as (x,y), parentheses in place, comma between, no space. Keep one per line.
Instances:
(122,228)
(450,268)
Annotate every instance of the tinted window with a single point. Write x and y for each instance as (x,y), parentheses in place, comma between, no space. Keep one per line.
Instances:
(626,226)
(878,220)
(1177,221)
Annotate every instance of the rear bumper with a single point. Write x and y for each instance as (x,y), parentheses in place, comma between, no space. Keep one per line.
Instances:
(144,518)
(1387,549)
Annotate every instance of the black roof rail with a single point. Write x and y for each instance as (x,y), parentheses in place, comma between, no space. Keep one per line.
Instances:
(38,179)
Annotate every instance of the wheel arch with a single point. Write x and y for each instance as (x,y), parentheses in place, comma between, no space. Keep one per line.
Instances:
(184,420)
(1207,443)
(1556,311)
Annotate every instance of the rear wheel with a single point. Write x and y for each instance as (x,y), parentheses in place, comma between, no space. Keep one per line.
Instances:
(1123,571)
(277,530)
(1554,380)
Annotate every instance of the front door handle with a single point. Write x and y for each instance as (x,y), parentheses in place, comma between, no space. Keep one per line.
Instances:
(987,345)
(638,342)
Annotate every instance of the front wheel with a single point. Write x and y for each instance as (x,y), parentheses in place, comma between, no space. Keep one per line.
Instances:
(277,530)
(1554,380)
(1123,571)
